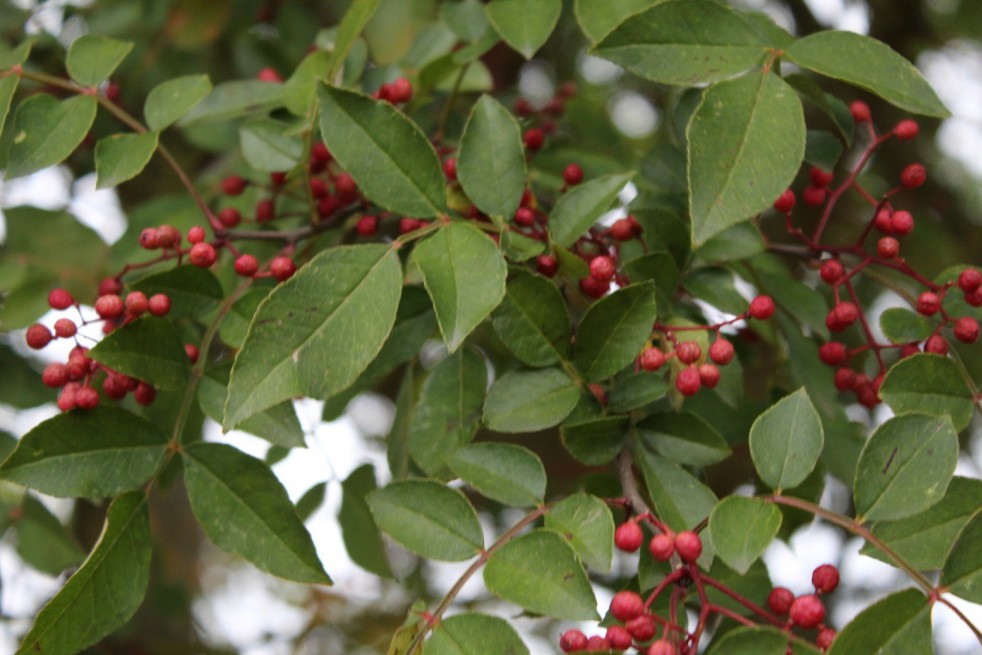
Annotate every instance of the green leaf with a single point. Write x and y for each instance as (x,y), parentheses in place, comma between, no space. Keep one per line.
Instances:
(354,21)
(925,539)
(680,500)
(474,634)
(614,330)
(171,100)
(519,248)
(464,274)
(598,17)
(466,18)
(397,441)
(905,467)
(580,207)
(822,149)
(43,542)
(683,437)
(235,325)
(429,518)
(685,43)
(193,291)
(268,146)
(244,510)
(900,624)
(100,452)
(587,523)
(45,131)
(962,573)
(741,528)
(113,580)
(507,473)
(10,57)
(525,25)
(532,320)
(929,384)
(870,64)
(901,325)
(121,157)
(234,99)
(361,538)
(786,441)
(92,59)
(595,441)
(746,143)
(8,86)
(449,409)
(300,89)
(759,641)
(809,89)
(636,390)
(540,572)
(529,401)
(491,149)
(389,156)
(311,500)
(315,333)
(147,349)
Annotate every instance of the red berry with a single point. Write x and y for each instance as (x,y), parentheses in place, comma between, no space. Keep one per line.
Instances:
(780,600)
(86,398)
(320,152)
(846,313)
(533,139)
(844,378)
(819,177)
(233,185)
(662,647)
(602,268)
(524,217)
(60,299)
(113,388)
(860,111)
(168,236)
(708,375)
(144,394)
(66,399)
(229,217)
(196,234)
(887,247)
(814,195)
(450,168)
(643,627)
(831,271)
(928,303)
(367,226)
(785,202)
(110,285)
(192,352)
(148,238)
(867,396)
(906,130)
(278,178)
(246,265)
(721,351)
(594,288)
(689,545)
(968,280)
(909,349)
(661,547)
(974,297)
(626,605)
(55,375)
(825,638)
(825,578)
(282,268)
(618,637)
(688,381)
(652,359)
(832,353)
(110,306)
(400,90)
(761,307)
(966,329)
(328,206)
(345,186)
(622,230)
(628,536)
(688,352)
(901,223)
(269,74)
(136,303)
(807,611)
(913,176)
(407,225)
(572,640)
(202,255)
(596,643)
(265,210)
(159,304)
(318,187)
(573,174)
(547,265)
(883,221)
(65,328)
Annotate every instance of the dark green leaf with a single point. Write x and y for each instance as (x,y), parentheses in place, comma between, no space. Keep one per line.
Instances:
(809,89)
(586,522)
(822,149)
(147,349)
(614,330)
(397,441)
(7,87)
(235,325)
(929,384)
(900,624)
(595,441)
(525,25)
(741,528)
(92,59)
(362,134)
(10,57)
(245,510)
(746,143)
(46,131)
(311,500)
(474,634)
(580,207)
(519,248)
(43,542)
(737,242)
(466,18)
(540,572)
(905,467)
(95,453)
(529,401)
(234,99)
(464,274)
(105,592)
(21,384)
(169,101)
(685,42)
(962,573)
(428,518)
(532,320)
(361,538)
(634,391)
(786,441)
(869,64)
(680,500)
(683,437)
(268,146)
(491,149)
(759,641)
(598,17)
(316,332)
(300,89)
(803,302)
(121,157)
(193,291)
(507,473)
(901,325)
